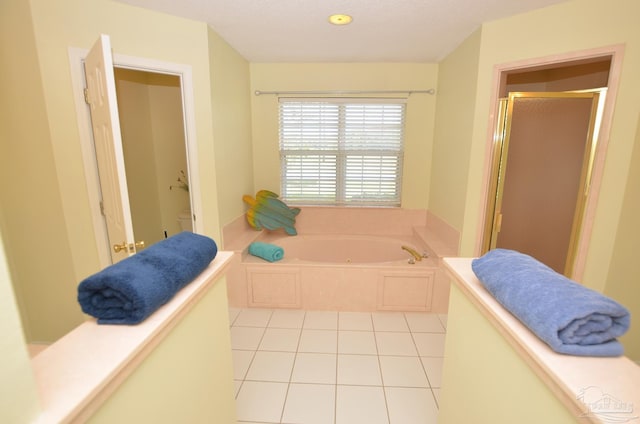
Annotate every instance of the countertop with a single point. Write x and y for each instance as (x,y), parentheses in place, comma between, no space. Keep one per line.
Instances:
(83,368)
(597,390)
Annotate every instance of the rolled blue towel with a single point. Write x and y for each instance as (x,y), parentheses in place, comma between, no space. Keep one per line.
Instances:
(132,289)
(266,251)
(569,317)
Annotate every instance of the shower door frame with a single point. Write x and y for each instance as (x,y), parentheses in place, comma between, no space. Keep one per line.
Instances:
(501,153)
(615,53)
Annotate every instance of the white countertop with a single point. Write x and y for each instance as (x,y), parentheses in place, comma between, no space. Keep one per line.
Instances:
(79,371)
(615,380)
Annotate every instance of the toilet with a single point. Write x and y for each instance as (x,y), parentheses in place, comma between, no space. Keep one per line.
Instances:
(184,219)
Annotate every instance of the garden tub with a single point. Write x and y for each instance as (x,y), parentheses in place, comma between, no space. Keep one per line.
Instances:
(343,272)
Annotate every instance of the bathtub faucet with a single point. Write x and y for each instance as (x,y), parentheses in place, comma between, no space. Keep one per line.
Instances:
(416,255)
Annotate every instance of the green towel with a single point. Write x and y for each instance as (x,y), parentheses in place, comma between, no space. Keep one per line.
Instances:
(266,251)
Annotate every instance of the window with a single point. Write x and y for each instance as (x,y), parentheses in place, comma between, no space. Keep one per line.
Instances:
(341,151)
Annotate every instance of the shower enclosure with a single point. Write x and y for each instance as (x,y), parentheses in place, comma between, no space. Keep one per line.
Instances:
(543,156)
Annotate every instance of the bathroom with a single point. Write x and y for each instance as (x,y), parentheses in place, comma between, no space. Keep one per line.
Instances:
(446,157)
(152,128)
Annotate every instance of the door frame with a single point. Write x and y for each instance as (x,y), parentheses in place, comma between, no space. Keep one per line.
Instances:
(184,72)
(615,53)
(499,172)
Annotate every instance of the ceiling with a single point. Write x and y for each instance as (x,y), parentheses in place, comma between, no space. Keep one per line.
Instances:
(422,31)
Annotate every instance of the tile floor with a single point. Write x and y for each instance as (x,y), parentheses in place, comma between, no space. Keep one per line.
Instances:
(293,366)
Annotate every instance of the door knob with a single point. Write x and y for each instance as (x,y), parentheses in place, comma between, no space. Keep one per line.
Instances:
(119,247)
(130,247)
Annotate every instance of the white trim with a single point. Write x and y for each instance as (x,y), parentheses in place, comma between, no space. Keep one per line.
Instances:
(76,59)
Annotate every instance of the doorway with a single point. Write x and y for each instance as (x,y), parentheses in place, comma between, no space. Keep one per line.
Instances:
(536,224)
(152,128)
(185,78)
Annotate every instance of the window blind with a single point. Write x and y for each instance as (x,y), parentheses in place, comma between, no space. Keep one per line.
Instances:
(341,151)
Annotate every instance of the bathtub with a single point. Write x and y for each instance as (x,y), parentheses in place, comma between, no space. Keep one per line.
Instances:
(349,249)
(344,273)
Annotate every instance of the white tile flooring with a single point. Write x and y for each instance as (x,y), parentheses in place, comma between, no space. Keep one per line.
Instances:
(299,367)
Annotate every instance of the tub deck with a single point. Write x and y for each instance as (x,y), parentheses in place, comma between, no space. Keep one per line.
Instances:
(343,285)
(348,282)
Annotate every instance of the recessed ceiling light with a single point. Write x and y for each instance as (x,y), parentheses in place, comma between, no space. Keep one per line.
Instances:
(340,19)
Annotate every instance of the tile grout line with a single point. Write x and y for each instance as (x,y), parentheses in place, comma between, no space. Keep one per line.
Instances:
(293,366)
(244,377)
(384,392)
(422,363)
(433,395)
(335,387)
(231,323)
(255,351)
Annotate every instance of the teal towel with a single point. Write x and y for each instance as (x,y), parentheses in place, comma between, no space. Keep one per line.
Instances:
(266,251)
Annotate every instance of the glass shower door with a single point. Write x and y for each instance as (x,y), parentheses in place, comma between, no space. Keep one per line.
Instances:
(544,167)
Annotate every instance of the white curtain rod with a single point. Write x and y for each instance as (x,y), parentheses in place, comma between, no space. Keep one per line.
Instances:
(343,92)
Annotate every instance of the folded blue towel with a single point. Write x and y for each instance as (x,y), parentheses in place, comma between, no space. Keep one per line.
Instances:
(132,289)
(569,317)
(266,251)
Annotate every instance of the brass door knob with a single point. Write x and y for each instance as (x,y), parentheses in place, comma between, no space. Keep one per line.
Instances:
(119,247)
(124,246)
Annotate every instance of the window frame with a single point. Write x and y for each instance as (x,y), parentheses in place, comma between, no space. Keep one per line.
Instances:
(343,146)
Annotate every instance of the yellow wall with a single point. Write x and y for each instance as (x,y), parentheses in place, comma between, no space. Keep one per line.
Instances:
(485,380)
(33,222)
(167,125)
(568,27)
(150,109)
(232,127)
(137,144)
(188,378)
(458,75)
(564,28)
(46,212)
(622,281)
(18,395)
(346,76)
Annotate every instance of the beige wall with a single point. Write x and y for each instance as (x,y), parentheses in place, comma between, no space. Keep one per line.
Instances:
(347,76)
(231,126)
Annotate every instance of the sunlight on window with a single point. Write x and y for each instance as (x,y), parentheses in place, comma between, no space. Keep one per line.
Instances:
(341,152)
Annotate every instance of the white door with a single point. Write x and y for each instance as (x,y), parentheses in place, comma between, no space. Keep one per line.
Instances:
(101,97)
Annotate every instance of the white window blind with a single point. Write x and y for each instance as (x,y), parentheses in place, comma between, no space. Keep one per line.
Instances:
(341,151)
